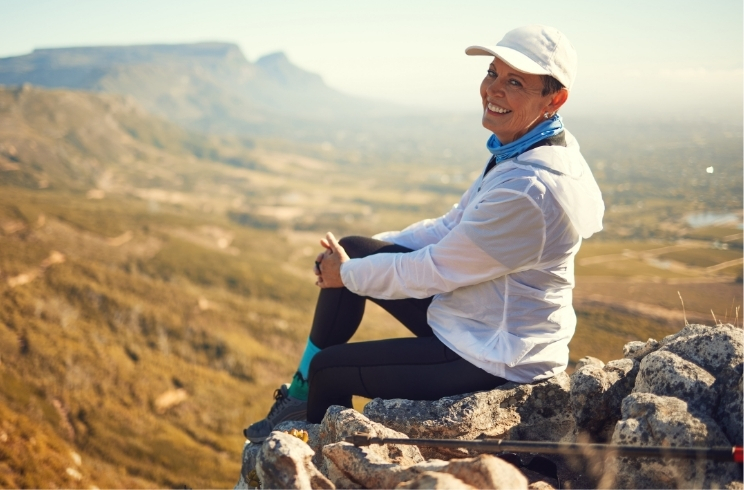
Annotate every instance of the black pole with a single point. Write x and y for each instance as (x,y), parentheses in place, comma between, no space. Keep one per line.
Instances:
(731,454)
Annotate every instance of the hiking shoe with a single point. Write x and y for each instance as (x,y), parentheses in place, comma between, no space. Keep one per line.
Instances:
(285,408)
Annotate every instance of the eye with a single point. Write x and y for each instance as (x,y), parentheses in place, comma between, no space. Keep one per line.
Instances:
(492,74)
(515,83)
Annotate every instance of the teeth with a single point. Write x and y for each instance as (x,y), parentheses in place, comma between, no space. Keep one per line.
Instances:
(498,109)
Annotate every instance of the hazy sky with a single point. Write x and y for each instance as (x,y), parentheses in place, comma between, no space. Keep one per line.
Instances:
(669,58)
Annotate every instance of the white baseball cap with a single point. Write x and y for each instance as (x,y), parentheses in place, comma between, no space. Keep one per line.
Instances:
(536,49)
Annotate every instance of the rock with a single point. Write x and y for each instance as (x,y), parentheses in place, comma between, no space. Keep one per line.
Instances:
(666,374)
(597,394)
(349,466)
(432,480)
(588,361)
(540,485)
(486,471)
(712,348)
(250,451)
(637,350)
(340,422)
(683,391)
(535,411)
(284,461)
(358,467)
(730,413)
(652,420)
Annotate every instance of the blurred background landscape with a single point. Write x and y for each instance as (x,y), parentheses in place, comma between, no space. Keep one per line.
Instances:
(161,204)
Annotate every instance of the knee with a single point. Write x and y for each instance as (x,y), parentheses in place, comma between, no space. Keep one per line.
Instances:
(355,246)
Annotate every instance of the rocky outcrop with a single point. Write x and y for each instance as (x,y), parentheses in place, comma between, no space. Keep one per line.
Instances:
(284,461)
(687,393)
(685,390)
(653,420)
(535,412)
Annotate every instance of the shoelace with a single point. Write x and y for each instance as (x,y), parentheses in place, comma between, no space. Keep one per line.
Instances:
(280,401)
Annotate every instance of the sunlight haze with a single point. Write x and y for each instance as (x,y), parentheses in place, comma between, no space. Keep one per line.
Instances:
(636,59)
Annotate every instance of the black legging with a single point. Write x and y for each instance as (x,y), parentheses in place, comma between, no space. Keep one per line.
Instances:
(420,368)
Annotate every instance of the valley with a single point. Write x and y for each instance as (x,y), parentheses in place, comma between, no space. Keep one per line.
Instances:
(156,282)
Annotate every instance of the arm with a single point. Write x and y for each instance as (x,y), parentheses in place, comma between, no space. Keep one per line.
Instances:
(501,234)
(428,231)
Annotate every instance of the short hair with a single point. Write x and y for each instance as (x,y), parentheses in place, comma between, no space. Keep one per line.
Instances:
(550,85)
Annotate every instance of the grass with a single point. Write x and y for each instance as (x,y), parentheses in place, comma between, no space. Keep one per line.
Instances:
(702,257)
(106,333)
(148,300)
(601,333)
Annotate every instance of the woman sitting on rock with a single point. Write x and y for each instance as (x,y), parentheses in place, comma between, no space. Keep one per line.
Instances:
(486,288)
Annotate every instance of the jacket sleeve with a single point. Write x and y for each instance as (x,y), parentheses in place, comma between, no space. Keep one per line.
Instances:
(503,233)
(428,231)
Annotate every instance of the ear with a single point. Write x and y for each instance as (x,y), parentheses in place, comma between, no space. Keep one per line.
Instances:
(557,100)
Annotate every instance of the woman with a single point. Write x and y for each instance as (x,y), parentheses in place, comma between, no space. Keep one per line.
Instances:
(486,288)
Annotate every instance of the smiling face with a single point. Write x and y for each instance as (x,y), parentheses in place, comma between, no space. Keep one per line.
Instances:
(513,102)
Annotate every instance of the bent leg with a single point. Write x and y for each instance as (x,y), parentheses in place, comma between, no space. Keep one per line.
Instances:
(339,312)
(411,368)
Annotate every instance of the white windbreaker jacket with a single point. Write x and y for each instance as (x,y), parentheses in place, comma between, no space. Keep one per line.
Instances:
(499,264)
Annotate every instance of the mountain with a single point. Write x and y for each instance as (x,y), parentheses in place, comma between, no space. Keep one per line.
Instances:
(206,86)
(77,141)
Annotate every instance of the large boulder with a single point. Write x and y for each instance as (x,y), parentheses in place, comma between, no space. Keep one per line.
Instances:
(713,348)
(340,423)
(284,461)
(664,373)
(358,467)
(730,409)
(653,420)
(537,411)
(250,450)
(597,392)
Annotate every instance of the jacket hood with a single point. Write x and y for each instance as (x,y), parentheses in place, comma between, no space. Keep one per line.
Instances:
(569,178)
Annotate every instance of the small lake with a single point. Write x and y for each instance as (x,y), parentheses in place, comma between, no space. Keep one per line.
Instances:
(699,220)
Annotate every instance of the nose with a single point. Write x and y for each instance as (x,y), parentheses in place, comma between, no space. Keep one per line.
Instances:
(494,87)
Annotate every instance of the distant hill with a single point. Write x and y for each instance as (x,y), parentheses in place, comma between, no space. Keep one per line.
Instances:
(76,140)
(206,86)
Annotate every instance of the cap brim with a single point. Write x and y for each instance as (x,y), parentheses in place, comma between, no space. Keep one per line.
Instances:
(513,58)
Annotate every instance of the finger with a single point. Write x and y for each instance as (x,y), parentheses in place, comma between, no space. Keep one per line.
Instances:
(324,243)
(320,256)
(332,242)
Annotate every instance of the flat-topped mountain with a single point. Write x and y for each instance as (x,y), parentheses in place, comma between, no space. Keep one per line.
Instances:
(205,86)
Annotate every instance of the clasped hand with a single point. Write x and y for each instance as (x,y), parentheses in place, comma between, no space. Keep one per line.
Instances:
(328,263)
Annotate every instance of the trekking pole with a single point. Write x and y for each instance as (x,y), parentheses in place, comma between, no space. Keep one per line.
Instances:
(730,454)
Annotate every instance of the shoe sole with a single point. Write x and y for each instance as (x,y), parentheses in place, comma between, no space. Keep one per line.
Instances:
(295,416)
(254,440)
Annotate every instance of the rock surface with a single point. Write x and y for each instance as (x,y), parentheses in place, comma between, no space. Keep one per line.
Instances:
(730,409)
(685,390)
(597,394)
(523,412)
(652,420)
(666,374)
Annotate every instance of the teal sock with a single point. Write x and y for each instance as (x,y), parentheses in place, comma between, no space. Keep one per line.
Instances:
(298,389)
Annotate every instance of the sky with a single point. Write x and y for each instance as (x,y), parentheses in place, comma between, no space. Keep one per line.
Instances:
(657,58)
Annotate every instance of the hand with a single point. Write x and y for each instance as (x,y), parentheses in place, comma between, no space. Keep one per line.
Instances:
(328,263)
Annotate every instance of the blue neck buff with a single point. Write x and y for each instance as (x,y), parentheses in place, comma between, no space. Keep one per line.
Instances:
(545,129)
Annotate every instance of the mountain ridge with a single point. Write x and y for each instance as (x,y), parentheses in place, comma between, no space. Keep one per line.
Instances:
(209,86)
